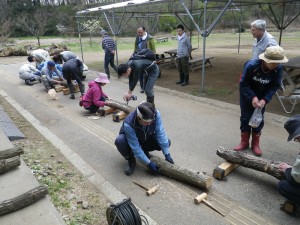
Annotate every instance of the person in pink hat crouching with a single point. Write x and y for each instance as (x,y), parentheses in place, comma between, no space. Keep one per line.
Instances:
(95,98)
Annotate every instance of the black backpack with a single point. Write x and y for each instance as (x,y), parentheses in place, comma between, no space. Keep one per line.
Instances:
(143,54)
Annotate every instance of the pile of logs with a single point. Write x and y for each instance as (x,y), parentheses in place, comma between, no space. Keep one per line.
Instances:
(13,50)
(10,159)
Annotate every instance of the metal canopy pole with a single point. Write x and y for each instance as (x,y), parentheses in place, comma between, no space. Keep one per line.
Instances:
(79,34)
(204,35)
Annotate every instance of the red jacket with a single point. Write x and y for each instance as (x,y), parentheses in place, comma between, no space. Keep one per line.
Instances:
(93,95)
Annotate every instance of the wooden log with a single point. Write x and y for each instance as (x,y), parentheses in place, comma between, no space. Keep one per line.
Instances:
(66,91)
(121,106)
(197,179)
(9,153)
(59,88)
(8,164)
(118,116)
(106,110)
(23,200)
(250,161)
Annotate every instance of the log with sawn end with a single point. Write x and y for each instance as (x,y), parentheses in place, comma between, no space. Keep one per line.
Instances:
(121,106)
(197,179)
(9,153)
(250,161)
(23,200)
(8,164)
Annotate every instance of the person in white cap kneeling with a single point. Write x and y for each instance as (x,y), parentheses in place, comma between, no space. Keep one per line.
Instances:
(142,131)
(289,187)
(258,83)
(95,98)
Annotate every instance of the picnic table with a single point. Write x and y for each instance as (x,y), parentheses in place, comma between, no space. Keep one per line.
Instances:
(161,39)
(173,55)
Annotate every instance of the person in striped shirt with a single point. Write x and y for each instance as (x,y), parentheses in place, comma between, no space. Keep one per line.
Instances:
(109,46)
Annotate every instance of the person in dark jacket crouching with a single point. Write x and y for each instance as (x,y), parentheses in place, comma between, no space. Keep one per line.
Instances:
(142,131)
(289,187)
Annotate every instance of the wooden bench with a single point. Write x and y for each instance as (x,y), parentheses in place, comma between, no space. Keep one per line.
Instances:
(162,39)
(174,38)
(196,63)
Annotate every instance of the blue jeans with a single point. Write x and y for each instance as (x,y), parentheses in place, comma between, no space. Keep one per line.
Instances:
(109,59)
(125,150)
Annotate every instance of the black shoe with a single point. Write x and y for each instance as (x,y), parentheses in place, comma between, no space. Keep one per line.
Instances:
(184,83)
(179,82)
(72,97)
(28,82)
(142,91)
(131,166)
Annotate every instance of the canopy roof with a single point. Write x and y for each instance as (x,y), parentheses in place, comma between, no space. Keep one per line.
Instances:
(191,8)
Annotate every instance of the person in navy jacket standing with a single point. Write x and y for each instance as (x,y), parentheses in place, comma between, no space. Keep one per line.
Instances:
(259,82)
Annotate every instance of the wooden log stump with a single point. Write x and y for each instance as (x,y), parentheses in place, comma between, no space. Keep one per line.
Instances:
(23,200)
(8,164)
(9,153)
(121,106)
(250,161)
(118,116)
(197,179)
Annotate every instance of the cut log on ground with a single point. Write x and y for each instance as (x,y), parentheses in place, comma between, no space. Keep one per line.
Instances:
(118,116)
(197,179)
(120,106)
(9,153)
(8,164)
(23,200)
(250,161)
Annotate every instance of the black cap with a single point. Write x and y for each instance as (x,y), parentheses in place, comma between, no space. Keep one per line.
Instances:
(292,126)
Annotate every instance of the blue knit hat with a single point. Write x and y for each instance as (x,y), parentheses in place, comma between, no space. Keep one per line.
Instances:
(51,63)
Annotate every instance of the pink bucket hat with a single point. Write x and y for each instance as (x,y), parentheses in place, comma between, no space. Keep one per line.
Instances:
(102,78)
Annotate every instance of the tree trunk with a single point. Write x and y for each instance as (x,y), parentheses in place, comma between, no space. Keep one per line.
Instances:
(8,164)
(250,161)
(197,179)
(120,106)
(23,200)
(9,153)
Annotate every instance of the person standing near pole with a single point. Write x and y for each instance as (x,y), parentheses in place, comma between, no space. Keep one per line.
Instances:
(109,46)
(263,38)
(184,50)
(143,40)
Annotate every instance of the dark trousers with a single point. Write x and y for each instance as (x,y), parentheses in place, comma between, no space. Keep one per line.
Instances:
(109,59)
(94,108)
(246,113)
(125,150)
(183,68)
(290,192)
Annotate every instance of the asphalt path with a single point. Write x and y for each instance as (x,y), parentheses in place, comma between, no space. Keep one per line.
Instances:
(196,126)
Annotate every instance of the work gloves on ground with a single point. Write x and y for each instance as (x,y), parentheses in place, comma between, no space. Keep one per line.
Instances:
(169,158)
(153,167)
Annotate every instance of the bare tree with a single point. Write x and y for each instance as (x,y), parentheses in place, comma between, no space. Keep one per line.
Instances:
(6,22)
(35,23)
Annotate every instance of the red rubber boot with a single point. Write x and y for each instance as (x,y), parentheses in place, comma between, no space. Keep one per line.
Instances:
(244,142)
(255,144)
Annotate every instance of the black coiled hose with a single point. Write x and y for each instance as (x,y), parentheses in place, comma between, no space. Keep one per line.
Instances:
(124,213)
